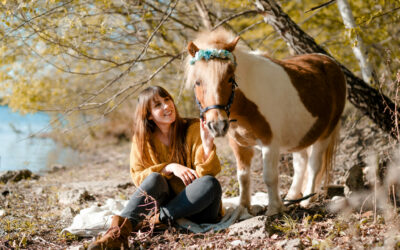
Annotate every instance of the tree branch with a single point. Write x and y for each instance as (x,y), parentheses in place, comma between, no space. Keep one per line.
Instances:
(204,14)
(235,16)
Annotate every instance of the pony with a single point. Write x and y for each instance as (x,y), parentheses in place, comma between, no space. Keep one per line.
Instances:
(279,106)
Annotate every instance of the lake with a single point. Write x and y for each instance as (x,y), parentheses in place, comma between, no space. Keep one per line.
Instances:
(19,151)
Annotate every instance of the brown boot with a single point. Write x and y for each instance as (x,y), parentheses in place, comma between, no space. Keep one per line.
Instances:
(155,219)
(157,223)
(116,236)
(152,222)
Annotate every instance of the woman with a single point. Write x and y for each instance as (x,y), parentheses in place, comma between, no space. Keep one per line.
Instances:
(173,161)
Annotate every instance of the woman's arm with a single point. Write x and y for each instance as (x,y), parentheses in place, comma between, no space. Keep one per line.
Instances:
(204,157)
(138,170)
(207,139)
(187,175)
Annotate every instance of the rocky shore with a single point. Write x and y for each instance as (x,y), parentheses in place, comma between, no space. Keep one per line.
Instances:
(34,209)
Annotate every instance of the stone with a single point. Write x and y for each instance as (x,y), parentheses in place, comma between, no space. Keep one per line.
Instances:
(237,243)
(355,178)
(334,190)
(17,175)
(5,192)
(76,248)
(38,190)
(293,244)
(254,227)
(75,196)
(67,213)
(125,185)
(56,167)
(280,244)
(338,203)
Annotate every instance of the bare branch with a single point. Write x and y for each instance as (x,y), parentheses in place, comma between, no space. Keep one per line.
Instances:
(138,84)
(173,18)
(35,17)
(235,16)
(321,5)
(135,60)
(204,14)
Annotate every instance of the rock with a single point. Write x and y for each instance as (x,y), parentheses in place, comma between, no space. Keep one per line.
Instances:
(237,243)
(2,212)
(75,196)
(254,227)
(355,178)
(5,192)
(76,248)
(293,244)
(56,167)
(38,190)
(338,203)
(334,190)
(67,213)
(125,185)
(280,244)
(16,176)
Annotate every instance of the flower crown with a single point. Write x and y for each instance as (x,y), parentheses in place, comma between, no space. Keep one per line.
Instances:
(208,54)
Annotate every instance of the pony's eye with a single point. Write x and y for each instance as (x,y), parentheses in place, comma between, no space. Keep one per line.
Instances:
(197,83)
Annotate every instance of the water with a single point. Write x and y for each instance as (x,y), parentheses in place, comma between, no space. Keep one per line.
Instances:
(18,151)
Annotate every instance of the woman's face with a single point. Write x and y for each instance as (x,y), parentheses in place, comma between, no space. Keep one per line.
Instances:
(162,111)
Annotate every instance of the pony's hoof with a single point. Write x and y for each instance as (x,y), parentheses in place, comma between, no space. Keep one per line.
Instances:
(244,213)
(306,203)
(256,209)
(293,196)
(274,210)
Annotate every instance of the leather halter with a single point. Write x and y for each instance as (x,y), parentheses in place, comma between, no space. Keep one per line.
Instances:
(226,107)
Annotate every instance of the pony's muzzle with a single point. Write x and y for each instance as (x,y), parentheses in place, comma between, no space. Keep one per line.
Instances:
(218,128)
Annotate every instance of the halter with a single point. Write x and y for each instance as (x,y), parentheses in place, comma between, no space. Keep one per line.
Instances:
(226,107)
(207,54)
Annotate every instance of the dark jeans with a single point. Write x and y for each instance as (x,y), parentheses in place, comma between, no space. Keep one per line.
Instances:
(198,202)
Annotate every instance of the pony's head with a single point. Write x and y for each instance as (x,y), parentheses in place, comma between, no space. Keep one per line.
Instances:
(210,70)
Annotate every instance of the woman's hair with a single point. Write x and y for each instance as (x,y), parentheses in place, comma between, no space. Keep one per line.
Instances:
(143,127)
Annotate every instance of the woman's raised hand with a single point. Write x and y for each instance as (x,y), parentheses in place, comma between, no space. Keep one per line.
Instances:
(206,138)
(187,175)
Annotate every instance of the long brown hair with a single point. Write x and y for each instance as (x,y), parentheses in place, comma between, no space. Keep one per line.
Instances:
(143,127)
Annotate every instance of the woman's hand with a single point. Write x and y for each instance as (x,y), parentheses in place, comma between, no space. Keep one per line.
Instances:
(187,175)
(206,138)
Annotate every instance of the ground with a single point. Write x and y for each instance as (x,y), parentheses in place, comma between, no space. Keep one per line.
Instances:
(34,211)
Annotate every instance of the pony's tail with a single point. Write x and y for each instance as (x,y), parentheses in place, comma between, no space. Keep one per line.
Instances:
(328,159)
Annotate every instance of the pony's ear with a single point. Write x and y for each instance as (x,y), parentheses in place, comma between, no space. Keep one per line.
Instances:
(192,48)
(231,46)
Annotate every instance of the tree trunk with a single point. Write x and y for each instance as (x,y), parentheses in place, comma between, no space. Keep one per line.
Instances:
(370,101)
(358,44)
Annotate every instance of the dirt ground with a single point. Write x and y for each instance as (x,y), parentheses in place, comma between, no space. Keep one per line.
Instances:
(34,211)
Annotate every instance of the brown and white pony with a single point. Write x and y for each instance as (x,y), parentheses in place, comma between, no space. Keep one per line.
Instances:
(291,105)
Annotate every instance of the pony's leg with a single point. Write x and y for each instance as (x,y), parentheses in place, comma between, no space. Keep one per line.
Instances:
(243,157)
(270,157)
(300,160)
(314,166)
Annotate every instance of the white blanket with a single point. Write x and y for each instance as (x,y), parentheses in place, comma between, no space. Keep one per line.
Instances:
(94,220)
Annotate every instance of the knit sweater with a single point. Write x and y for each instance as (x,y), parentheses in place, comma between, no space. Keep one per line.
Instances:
(159,159)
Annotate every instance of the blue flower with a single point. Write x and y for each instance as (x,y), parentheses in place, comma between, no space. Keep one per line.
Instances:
(207,54)
(212,53)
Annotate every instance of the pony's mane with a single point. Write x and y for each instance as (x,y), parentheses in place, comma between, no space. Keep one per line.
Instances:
(216,39)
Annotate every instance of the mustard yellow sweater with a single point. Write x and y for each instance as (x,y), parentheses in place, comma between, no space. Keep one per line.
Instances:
(194,158)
